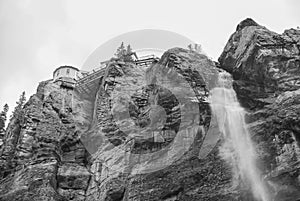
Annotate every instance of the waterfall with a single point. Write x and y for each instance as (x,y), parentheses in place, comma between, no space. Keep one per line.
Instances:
(238,149)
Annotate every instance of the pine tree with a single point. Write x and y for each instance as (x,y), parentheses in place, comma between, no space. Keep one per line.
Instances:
(198,48)
(128,54)
(18,111)
(121,51)
(3,117)
(195,47)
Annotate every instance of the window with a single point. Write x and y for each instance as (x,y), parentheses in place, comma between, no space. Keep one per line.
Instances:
(68,71)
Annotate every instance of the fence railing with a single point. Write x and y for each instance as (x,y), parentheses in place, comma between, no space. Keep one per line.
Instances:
(86,76)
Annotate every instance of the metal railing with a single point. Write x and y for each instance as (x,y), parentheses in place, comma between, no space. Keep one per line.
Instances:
(87,76)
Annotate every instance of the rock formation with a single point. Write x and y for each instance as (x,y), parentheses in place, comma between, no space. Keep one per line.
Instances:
(263,63)
(266,69)
(138,137)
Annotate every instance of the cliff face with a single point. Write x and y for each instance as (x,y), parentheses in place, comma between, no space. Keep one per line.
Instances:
(148,131)
(158,108)
(143,134)
(266,70)
(263,63)
(138,139)
(43,157)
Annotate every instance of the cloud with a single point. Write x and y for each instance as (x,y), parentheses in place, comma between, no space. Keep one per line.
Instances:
(27,27)
(294,6)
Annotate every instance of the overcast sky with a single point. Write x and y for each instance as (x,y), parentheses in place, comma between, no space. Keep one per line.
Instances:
(38,36)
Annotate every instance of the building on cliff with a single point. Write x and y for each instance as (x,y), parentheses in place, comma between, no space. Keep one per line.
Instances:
(71,77)
(66,76)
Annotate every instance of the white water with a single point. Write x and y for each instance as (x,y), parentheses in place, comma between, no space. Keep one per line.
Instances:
(238,149)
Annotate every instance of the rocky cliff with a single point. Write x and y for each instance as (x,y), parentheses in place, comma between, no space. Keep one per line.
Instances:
(266,71)
(263,63)
(142,134)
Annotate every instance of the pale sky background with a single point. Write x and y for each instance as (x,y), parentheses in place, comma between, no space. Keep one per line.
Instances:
(38,36)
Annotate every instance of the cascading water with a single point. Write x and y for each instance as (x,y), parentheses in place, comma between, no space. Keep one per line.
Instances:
(237,149)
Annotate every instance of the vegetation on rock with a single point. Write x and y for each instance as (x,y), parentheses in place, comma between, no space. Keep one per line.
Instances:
(124,53)
(3,117)
(18,112)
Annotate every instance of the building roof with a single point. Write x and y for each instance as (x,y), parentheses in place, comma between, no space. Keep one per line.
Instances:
(64,67)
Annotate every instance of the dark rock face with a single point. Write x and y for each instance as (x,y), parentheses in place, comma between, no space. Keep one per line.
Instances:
(42,157)
(266,71)
(48,156)
(246,23)
(276,131)
(147,168)
(263,63)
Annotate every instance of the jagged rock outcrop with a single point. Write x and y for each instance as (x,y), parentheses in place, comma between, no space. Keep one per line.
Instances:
(138,139)
(266,71)
(149,127)
(276,130)
(263,63)
(43,157)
